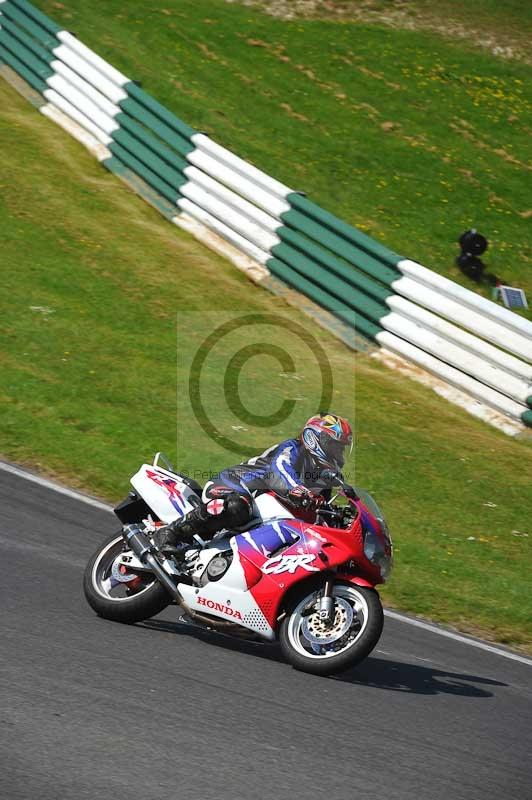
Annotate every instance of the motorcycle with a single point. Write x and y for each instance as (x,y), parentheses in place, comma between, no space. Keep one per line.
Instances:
(308,584)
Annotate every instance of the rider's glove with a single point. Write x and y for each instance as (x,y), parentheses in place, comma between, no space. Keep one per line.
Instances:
(305,498)
(350,492)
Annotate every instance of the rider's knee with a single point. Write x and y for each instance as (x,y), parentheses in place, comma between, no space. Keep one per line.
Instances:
(238,509)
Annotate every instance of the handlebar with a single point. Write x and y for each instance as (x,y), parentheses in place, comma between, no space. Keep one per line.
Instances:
(342,513)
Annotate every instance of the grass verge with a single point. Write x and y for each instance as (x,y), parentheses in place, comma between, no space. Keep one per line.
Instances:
(95,288)
(408,135)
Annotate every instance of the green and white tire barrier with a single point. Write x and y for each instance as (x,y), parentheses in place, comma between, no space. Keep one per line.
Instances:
(462,338)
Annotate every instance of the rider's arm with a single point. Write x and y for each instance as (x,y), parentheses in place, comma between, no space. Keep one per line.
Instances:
(283,471)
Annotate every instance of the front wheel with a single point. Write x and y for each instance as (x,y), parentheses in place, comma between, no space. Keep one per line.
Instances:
(141,598)
(312,645)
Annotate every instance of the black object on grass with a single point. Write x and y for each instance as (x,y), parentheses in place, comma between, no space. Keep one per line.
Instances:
(472,245)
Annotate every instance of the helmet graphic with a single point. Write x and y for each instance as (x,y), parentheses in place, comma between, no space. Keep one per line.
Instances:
(326,437)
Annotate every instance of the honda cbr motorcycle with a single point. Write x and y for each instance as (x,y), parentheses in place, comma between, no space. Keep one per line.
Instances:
(305,577)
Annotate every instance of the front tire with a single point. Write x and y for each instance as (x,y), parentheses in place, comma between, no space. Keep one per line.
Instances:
(313,647)
(117,602)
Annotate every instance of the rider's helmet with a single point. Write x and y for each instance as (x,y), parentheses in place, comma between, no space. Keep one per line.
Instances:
(326,438)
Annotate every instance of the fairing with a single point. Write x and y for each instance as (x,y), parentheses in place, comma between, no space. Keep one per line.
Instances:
(164,492)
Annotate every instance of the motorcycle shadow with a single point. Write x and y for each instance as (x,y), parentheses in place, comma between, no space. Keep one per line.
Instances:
(255,647)
(400,676)
(379,673)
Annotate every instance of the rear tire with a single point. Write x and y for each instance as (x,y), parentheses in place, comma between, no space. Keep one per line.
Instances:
(353,644)
(148,601)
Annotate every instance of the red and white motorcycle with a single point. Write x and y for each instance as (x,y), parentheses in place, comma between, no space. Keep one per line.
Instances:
(309,584)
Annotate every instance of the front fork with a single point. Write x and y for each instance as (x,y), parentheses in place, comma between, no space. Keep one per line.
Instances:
(326,602)
(326,607)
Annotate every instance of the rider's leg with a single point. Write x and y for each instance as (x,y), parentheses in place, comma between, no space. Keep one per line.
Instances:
(222,507)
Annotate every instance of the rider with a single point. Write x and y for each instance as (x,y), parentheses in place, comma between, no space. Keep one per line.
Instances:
(300,470)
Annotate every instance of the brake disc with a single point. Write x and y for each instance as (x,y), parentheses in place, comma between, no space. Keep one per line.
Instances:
(318,631)
(121,577)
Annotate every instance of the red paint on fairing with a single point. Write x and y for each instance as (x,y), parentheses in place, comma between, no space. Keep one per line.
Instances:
(330,548)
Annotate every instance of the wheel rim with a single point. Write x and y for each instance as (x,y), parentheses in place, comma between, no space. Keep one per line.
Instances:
(311,638)
(102,575)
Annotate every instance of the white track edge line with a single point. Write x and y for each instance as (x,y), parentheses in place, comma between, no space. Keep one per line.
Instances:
(56,487)
(458,637)
(91,501)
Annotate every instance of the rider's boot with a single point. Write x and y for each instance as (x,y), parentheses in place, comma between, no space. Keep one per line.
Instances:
(197,522)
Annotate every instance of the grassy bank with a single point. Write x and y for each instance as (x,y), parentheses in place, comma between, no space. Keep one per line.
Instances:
(410,135)
(96,287)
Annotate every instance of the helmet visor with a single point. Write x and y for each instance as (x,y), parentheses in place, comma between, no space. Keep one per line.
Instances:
(336,451)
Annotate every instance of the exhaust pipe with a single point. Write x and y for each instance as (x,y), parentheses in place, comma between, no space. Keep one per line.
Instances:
(136,539)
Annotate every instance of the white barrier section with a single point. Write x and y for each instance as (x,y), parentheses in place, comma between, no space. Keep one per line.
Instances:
(80,101)
(465,296)
(261,256)
(67,108)
(454,355)
(238,201)
(453,376)
(242,186)
(468,341)
(473,406)
(256,176)
(101,82)
(90,57)
(232,199)
(103,103)
(233,219)
(85,89)
(479,324)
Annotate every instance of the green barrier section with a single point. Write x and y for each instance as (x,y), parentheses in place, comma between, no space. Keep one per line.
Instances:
(38,67)
(526,417)
(336,287)
(160,111)
(332,263)
(148,139)
(331,270)
(26,40)
(44,35)
(344,230)
(150,144)
(171,176)
(367,262)
(20,85)
(150,177)
(35,82)
(40,18)
(145,191)
(323,298)
(140,114)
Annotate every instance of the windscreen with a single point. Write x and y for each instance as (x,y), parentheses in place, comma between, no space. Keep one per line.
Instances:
(373,508)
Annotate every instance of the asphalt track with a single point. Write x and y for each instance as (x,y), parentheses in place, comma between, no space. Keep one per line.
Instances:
(93,709)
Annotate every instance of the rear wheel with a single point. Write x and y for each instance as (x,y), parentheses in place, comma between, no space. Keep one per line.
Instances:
(139,597)
(314,646)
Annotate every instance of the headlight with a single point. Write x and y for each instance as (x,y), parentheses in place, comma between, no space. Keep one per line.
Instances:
(379,554)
